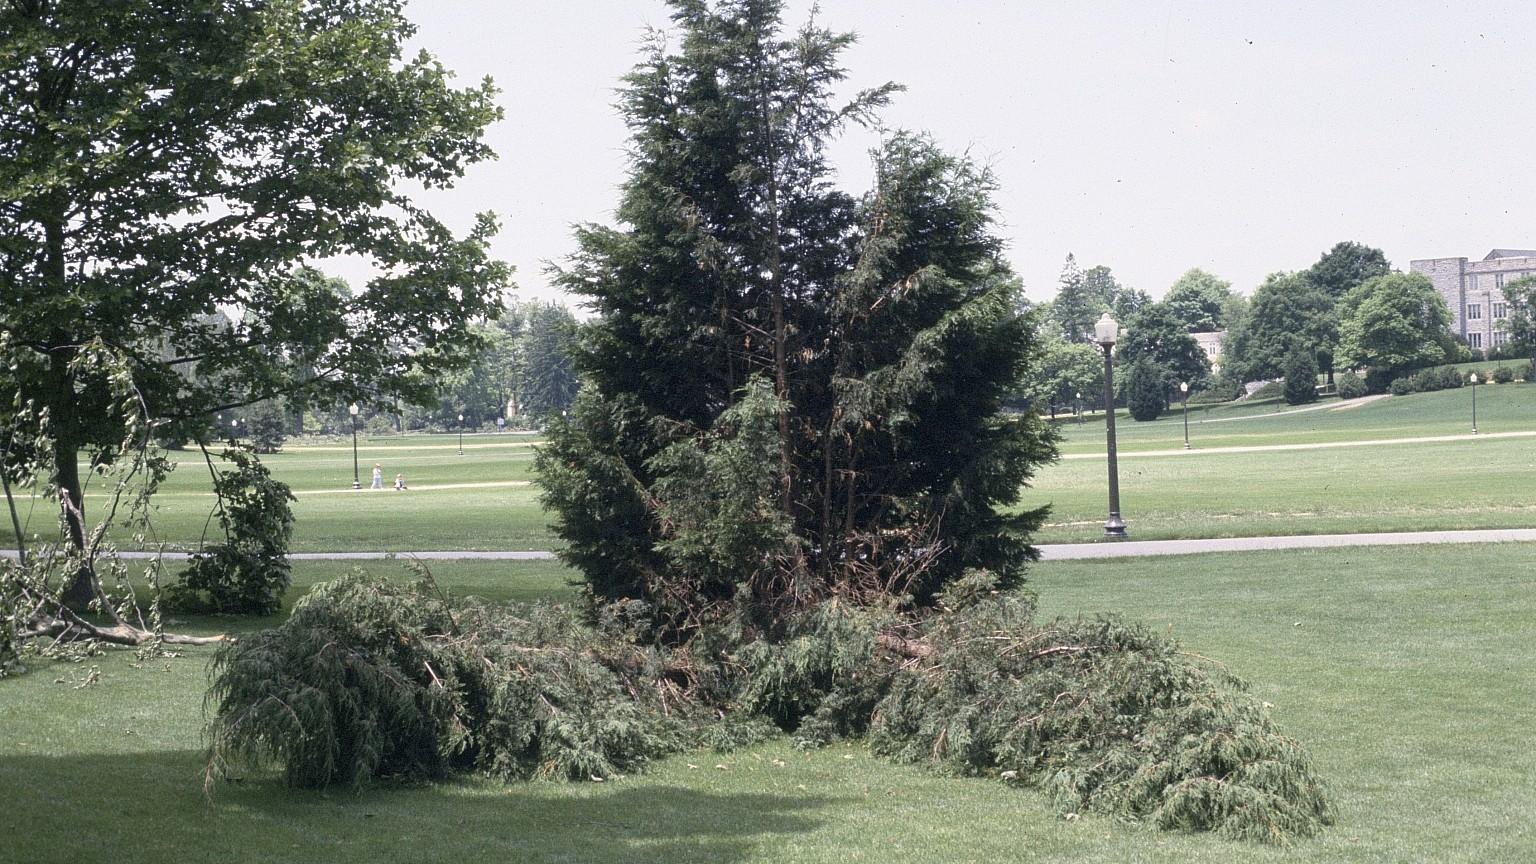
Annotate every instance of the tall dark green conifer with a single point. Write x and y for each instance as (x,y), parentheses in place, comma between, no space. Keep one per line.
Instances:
(794,393)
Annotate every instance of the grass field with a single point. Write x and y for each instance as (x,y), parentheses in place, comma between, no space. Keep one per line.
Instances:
(486,499)
(1405,671)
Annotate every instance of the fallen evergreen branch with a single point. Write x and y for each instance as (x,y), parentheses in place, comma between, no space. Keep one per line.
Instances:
(372,679)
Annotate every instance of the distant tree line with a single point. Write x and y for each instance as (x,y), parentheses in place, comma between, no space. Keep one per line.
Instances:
(1350,310)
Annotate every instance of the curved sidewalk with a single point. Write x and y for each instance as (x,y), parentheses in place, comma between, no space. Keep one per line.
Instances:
(1048,551)
(1135,548)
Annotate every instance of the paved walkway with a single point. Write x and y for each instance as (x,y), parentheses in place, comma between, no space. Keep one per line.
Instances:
(1317,445)
(1132,548)
(1048,551)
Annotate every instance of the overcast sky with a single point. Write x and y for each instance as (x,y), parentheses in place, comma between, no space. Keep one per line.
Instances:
(1151,137)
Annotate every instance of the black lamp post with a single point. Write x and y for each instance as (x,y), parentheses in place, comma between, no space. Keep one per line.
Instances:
(1473,379)
(1184,397)
(352,409)
(1079,409)
(1105,332)
(461,434)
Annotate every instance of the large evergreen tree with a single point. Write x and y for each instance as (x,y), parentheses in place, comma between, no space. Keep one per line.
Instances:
(794,394)
(1078,302)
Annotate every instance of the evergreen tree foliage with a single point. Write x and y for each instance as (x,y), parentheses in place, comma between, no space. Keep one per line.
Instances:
(370,679)
(267,426)
(885,330)
(1300,378)
(548,366)
(1077,304)
(1146,389)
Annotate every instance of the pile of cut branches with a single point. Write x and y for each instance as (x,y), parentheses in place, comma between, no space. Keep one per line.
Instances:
(374,679)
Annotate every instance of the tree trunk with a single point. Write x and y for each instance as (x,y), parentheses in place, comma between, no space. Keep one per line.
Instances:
(82,586)
(62,419)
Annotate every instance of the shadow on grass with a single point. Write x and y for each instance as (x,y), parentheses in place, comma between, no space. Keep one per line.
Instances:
(149,807)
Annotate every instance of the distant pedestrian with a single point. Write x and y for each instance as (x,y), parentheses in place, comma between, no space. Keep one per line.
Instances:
(399,482)
(378,476)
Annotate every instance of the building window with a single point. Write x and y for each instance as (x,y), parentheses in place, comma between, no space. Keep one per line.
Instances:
(1500,338)
(1472,281)
(1474,340)
(1500,311)
(1498,280)
(1474,311)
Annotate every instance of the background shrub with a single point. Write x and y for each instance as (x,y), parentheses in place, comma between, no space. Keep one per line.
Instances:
(1400,387)
(1503,375)
(1300,378)
(1350,386)
(1144,394)
(267,427)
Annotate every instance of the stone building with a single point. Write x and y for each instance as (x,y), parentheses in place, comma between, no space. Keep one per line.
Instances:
(1474,291)
(1211,343)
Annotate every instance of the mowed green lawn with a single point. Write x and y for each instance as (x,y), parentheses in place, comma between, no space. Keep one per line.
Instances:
(1501,408)
(1405,671)
(486,499)
(1483,482)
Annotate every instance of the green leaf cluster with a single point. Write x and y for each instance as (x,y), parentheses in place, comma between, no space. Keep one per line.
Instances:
(1394,322)
(248,572)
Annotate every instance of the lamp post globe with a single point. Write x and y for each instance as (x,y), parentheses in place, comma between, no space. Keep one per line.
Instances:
(1184,398)
(1105,332)
(352,409)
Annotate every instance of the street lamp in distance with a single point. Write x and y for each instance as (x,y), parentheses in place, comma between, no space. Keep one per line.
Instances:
(352,409)
(1184,397)
(1079,409)
(461,434)
(1105,332)
(1473,378)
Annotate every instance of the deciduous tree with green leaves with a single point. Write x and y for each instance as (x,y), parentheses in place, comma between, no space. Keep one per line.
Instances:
(1160,337)
(1393,323)
(1199,300)
(161,162)
(1521,323)
(1345,266)
(1287,314)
